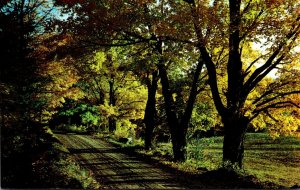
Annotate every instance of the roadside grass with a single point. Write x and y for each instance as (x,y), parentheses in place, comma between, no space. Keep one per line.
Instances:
(270,160)
(69,174)
(274,160)
(57,169)
(43,163)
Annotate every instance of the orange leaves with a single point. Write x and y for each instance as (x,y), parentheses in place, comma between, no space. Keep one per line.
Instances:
(61,77)
(274,3)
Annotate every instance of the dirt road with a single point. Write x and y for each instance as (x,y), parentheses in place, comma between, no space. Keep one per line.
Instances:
(115,169)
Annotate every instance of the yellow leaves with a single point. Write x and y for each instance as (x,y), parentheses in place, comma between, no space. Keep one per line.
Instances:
(47,114)
(132,99)
(278,122)
(124,96)
(143,2)
(287,125)
(61,77)
(99,59)
(108,110)
(125,128)
(279,115)
(282,120)
(64,41)
(130,105)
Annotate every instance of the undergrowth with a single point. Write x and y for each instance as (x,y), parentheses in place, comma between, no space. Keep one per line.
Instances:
(57,169)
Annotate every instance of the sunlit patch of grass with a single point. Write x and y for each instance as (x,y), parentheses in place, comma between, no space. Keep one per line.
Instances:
(270,170)
(275,160)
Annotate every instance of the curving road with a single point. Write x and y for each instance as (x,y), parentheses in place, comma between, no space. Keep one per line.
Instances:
(113,168)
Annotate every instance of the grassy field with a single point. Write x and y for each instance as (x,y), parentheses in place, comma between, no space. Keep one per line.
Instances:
(276,160)
(273,160)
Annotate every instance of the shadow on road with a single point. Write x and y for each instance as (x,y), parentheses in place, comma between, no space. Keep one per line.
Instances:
(118,167)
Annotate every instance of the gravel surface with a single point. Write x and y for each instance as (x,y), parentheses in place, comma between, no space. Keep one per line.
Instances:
(115,169)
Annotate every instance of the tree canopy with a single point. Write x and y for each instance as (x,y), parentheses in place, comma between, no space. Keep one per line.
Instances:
(145,69)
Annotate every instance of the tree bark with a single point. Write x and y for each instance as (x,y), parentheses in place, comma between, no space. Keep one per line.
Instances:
(233,145)
(150,111)
(112,124)
(177,135)
(179,122)
(112,101)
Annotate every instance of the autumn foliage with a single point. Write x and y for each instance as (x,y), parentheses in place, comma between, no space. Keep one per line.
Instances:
(150,68)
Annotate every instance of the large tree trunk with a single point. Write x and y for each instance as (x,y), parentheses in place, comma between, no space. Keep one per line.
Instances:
(233,145)
(150,111)
(187,113)
(177,134)
(179,148)
(178,128)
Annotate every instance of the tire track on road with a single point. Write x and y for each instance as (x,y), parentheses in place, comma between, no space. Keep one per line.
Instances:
(115,169)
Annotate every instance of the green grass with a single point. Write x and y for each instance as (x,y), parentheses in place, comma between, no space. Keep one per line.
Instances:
(274,160)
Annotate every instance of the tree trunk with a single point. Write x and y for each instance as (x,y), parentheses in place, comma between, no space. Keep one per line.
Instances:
(179,144)
(112,101)
(177,135)
(150,111)
(233,145)
(112,124)
(178,128)
(101,98)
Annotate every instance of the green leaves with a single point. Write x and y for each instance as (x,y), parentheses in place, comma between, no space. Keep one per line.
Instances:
(89,115)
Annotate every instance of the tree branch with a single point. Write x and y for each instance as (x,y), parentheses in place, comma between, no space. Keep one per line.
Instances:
(272,89)
(265,73)
(270,116)
(251,64)
(250,28)
(193,94)
(212,80)
(277,96)
(283,104)
(211,67)
(266,68)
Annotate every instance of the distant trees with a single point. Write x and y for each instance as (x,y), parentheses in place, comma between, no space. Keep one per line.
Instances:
(124,101)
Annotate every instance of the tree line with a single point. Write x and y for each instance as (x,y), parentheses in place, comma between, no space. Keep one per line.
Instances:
(134,67)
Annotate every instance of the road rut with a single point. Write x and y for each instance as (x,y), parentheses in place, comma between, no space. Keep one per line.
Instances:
(113,168)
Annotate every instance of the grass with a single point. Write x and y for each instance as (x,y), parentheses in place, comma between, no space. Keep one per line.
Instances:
(71,174)
(275,160)
(270,160)
(46,163)
(55,168)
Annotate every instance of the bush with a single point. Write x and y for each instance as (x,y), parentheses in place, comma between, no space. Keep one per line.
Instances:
(73,128)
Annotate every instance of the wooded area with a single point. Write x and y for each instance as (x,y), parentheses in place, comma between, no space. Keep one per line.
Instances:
(146,72)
